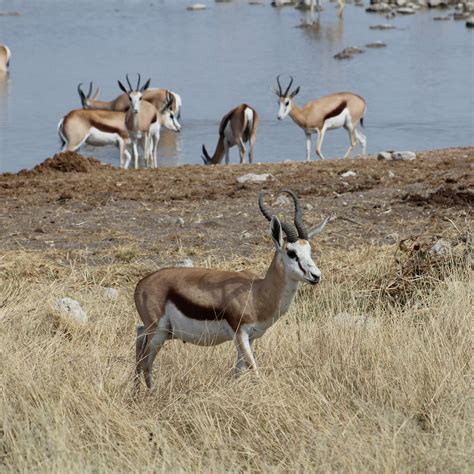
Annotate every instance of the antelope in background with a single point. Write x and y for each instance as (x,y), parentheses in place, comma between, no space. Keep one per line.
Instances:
(236,128)
(156,97)
(342,109)
(5,55)
(208,307)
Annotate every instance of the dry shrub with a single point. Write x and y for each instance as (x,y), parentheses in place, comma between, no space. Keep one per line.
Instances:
(393,397)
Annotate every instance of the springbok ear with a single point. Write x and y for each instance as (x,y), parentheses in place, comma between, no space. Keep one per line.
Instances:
(122,87)
(275,229)
(296,91)
(318,228)
(146,86)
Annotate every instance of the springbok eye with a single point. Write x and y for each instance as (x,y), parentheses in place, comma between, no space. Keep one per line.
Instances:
(292,254)
(172,116)
(287,103)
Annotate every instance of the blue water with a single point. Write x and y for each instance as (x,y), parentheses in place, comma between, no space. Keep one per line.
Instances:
(418,90)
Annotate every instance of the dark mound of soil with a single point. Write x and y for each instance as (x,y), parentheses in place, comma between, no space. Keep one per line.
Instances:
(446,195)
(67,162)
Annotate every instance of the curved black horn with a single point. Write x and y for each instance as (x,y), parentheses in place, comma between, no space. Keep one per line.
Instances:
(90,91)
(288,229)
(289,86)
(80,91)
(128,81)
(279,85)
(299,224)
(139,80)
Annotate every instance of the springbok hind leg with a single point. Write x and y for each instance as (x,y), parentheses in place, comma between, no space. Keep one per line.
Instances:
(154,342)
(352,138)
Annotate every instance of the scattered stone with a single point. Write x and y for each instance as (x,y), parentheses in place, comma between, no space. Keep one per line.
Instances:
(308,206)
(254,178)
(347,53)
(71,309)
(379,8)
(111,293)
(403,156)
(406,11)
(246,235)
(186,262)
(397,156)
(384,26)
(385,155)
(391,174)
(196,7)
(441,247)
(441,18)
(461,16)
(376,44)
(180,221)
(281,200)
(391,238)
(356,321)
(348,174)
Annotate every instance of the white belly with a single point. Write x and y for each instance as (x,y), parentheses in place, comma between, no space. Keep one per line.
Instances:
(99,138)
(338,121)
(203,333)
(229,136)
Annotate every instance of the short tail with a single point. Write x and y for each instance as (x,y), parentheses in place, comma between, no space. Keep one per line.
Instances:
(61,135)
(248,129)
(362,122)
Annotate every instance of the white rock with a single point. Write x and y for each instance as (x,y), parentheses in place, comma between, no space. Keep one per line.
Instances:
(196,7)
(308,206)
(403,155)
(391,238)
(71,309)
(348,174)
(441,247)
(405,11)
(254,178)
(391,174)
(281,200)
(111,293)
(186,262)
(385,155)
(180,221)
(356,321)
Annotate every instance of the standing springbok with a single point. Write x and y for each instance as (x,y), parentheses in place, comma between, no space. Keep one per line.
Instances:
(5,56)
(207,307)
(342,109)
(141,120)
(156,97)
(236,128)
(96,128)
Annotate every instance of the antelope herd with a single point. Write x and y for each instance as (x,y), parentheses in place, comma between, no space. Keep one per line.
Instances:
(134,120)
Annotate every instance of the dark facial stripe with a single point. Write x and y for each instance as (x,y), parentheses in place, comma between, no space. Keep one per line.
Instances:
(335,112)
(195,310)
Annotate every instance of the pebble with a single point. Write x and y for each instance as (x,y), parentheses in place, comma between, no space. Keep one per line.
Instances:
(186,262)
(348,174)
(196,7)
(441,247)
(71,309)
(111,293)
(254,178)
(180,221)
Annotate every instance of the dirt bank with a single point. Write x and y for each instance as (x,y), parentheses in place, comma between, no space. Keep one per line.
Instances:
(71,203)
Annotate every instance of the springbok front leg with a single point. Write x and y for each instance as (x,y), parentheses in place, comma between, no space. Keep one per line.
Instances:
(242,150)
(352,139)
(362,140)
(252,141)
(308,146)
(244,351)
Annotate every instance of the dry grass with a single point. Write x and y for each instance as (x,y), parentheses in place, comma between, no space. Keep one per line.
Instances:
(389,396)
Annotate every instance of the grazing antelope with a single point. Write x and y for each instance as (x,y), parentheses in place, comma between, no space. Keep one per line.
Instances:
(236,128)
(96,128)
(156,97)
(208,307)
(342,109)
(5,56)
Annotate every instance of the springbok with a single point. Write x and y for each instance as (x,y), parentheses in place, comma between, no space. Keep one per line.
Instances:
(5,56)
(342,109)
(236,128)
(142,122)
(156,97)
(208,307)
(96,128)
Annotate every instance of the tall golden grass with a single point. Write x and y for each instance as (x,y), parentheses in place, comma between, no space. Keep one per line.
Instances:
(349,382)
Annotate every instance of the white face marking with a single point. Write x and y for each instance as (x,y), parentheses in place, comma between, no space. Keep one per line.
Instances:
(299,263)
(285,107)
(170,121)
(339,120)
(135,99)
(203,333)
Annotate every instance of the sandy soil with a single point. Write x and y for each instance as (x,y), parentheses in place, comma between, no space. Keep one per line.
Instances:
(68,202)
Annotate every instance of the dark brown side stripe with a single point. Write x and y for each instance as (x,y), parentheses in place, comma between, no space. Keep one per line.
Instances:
(335,112)
(194,310)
